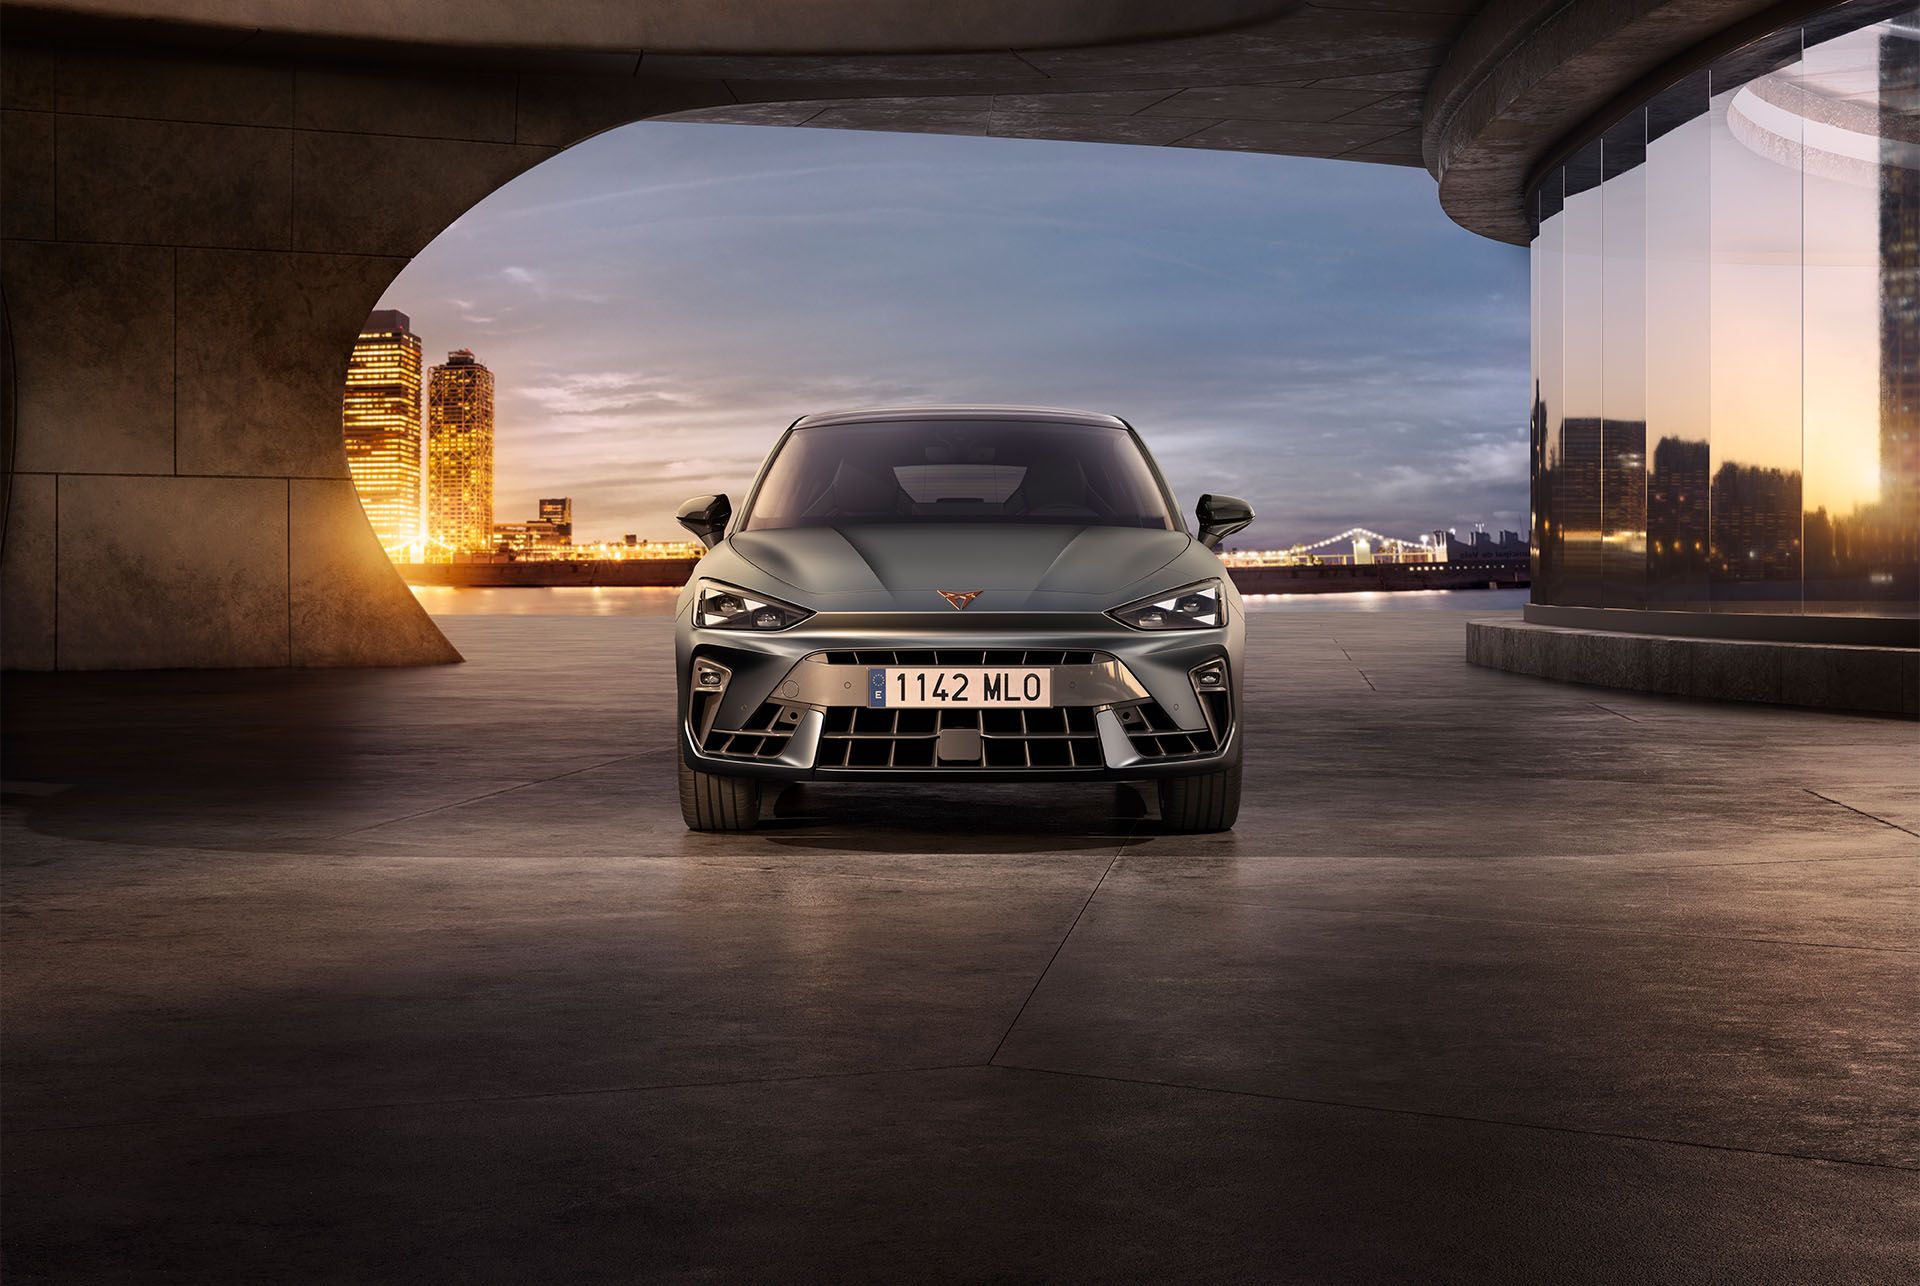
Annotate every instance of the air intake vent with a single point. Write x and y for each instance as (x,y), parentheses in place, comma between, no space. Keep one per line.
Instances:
(1060,737)
(1155,735)
(764,736)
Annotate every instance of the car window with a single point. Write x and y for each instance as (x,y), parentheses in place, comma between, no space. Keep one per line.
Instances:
(1005,471)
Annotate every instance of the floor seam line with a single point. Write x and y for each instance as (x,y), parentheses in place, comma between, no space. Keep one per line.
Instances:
(1355,664)
(1774,861)
(1863,812)
(1453,1116)
(1560,925)
(1035,989)
(529,1096)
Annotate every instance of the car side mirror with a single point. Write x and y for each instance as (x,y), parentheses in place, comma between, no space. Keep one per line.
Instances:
(1220,517)
(706,517)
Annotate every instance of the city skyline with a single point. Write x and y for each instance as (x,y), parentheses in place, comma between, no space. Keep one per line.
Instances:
(654,324)
(394,449)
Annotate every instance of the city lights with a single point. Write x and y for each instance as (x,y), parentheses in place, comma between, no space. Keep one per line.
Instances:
(381,421)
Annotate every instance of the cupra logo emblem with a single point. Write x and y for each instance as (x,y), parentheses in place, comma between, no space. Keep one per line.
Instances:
(958,600)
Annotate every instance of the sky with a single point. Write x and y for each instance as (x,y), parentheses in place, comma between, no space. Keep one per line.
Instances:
(659,302)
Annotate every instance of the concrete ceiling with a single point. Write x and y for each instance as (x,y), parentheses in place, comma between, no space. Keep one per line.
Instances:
(1480,93)
(1338,78)
(1319,80)
(702,26)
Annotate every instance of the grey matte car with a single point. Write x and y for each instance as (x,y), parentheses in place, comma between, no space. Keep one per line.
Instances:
(959,593)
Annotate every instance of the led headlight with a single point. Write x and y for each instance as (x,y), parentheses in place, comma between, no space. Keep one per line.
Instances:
(1196,607)
(722,607)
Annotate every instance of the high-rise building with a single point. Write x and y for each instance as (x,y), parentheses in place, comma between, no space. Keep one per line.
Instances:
(460,454)
(559,512)
(381,421)
(526,537)
(1899,285)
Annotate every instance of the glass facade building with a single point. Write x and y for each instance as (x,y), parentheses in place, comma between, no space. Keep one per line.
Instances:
(1726,362)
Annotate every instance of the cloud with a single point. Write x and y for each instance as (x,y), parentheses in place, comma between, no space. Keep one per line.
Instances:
(1313,335)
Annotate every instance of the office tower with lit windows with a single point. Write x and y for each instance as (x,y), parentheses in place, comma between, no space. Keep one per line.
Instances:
(559,512)
(1899,286)
(381,422)
(460,454)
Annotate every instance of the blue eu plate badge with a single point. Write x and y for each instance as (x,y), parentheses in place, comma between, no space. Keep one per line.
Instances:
(876,688)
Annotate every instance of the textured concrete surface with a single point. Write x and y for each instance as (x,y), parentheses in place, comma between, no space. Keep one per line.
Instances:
(1526,75)
(384,974)
(822,26)
(1870,680)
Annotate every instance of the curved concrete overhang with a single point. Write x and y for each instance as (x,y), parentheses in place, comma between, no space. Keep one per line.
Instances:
(701,26)
(171,184)
(1528,78)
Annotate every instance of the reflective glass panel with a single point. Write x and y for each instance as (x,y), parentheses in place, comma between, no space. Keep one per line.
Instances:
(1547,406)
(1755,384)
(1853,91)
(1677,356)
(1623,433)
(1727,336)
(1577,489)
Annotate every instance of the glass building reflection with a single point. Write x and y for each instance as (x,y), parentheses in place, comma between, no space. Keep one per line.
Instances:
(1727,337)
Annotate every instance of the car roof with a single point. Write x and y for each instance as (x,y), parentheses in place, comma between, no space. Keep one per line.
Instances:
(879,414)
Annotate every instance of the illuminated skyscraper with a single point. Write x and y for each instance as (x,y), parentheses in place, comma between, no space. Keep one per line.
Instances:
(460,454)
(559,512)
(381,422)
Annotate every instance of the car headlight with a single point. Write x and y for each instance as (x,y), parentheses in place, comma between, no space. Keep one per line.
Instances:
(1196,607)
(722,607)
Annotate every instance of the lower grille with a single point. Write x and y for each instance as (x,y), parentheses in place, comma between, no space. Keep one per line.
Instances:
(763,736)
(1155,735)
(1056,737)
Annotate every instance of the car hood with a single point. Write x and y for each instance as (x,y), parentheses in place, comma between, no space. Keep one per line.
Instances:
(1015,568)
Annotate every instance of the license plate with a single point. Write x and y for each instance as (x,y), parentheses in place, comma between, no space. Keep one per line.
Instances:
(910,689)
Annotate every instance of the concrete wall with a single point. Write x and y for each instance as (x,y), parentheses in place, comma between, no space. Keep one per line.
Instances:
(190,246)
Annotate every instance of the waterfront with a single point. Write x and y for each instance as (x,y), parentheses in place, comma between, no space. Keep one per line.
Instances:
(656,601)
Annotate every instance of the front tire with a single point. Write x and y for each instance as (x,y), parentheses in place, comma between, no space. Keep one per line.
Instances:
(710,802)
(1202,803)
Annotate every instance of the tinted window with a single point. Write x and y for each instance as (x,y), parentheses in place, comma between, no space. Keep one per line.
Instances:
(1004,471)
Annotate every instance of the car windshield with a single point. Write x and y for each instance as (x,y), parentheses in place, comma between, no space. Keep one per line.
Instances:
(975,471)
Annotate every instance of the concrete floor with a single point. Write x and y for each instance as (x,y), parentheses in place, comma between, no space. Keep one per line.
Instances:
(415,974)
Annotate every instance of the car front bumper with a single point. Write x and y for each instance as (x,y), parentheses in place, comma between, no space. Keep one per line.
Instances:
(792,705)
